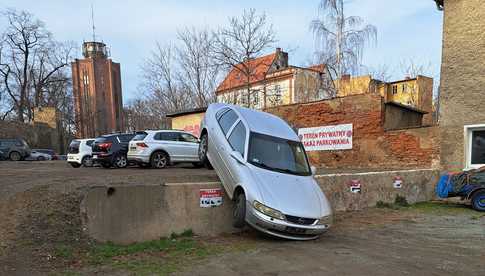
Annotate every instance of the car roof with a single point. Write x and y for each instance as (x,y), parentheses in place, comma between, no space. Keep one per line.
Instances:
(264,123)
(163,130)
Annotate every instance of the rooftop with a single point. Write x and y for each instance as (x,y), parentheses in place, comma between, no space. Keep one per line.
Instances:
(236,78)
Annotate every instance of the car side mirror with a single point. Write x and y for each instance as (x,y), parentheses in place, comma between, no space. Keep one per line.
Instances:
(314,170)
(238,157)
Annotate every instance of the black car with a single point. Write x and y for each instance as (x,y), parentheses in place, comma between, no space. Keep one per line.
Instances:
(2,156)
(110,150)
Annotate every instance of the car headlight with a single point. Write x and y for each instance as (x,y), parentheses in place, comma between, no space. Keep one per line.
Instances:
(267,210)
(326,220)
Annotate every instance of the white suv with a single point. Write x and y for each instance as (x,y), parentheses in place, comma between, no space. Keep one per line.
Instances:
(79,153)
(159,148)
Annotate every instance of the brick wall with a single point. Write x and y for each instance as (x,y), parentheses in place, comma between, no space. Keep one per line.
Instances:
(373,147)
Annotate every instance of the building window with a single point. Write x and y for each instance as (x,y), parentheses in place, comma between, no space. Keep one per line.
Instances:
(475,146)
(255,98)
(394,89)
(404,88)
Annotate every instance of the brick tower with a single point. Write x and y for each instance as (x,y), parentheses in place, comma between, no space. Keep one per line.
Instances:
(96,81)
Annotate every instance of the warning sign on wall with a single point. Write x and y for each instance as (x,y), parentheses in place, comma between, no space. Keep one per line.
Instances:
(355,186)
(397,183)
(210,197)
(338,137)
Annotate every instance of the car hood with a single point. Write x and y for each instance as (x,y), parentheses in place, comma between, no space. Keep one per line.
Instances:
(291,194)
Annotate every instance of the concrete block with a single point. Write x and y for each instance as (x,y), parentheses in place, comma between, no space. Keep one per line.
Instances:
(127,214)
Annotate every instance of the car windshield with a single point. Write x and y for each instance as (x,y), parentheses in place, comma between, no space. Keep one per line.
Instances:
(278,154)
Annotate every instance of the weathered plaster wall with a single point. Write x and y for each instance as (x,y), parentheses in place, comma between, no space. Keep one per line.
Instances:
(462,80)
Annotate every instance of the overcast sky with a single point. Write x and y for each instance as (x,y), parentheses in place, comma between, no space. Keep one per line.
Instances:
(406,29)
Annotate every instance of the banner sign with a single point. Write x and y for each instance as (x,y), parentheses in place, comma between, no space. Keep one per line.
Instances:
(338,137)
(210,197)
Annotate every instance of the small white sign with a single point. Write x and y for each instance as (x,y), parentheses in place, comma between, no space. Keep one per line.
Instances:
(397,182)
(355,186)
(338,137)
(210,198)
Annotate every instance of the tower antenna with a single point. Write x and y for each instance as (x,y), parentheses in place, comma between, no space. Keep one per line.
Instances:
(92,20)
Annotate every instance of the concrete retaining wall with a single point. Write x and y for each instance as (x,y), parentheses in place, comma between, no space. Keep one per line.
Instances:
(126,214)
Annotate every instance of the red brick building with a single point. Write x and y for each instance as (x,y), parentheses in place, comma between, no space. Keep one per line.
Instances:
(97,93)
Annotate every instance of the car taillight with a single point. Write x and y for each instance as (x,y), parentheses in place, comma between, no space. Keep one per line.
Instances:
(142,145)
(105,146)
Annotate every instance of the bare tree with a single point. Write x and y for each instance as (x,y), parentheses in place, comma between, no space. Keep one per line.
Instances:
(245,38)
(139,115)
(340,40)
(159,74)
(380,72)
(198,73)
(29,62)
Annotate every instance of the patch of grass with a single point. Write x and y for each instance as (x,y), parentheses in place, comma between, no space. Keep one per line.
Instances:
(64,251)
(442,207)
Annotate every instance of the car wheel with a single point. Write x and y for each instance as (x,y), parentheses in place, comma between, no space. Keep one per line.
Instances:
(106,165)
(159,160)
(41,158)
(478,201)
(15,156)
(121,161)
(75,165)
(87,161)
(239,211)
(203,146)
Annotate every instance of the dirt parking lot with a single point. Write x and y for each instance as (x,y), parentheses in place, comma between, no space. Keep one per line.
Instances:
(40,234)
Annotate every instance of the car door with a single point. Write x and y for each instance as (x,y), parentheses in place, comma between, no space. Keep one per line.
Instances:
(226,122)
(168,141)
(237,139)
(189,146)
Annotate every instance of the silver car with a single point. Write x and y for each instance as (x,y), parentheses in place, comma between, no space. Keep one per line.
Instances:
(264,168)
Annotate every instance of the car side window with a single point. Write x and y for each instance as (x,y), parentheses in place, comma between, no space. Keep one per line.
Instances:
(237,139)
(227,120)
(166,136)
(125,138)
(185,137)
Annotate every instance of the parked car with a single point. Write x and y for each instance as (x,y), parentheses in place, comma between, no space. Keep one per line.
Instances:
(79,153)
(159,148)
(15,149)
(51,152)
(264,168)
(37,155)
(2,156)
(111,150)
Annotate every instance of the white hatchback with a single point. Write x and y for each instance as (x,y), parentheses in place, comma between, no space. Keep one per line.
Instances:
(159,148)
(79,153)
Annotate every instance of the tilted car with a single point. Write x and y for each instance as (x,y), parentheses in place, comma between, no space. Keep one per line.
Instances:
(15,149)
(79,153)
(111,150)
(264,169)
(159,148)
(37,155)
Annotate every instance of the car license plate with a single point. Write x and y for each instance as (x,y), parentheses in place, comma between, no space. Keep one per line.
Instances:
(95,157)
(295,230)
(132,148)
(71,158)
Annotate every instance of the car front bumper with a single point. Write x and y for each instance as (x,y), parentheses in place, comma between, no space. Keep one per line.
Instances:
(138,158)
(281,228)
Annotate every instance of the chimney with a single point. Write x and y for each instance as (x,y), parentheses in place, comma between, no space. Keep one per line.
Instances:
(281,61)
(407,77)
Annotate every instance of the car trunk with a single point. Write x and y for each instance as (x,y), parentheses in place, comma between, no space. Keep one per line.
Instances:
(102,145)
